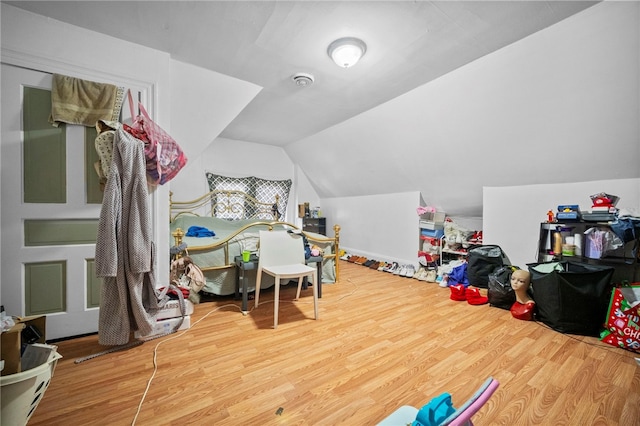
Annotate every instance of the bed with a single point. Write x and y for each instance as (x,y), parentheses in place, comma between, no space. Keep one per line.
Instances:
(236,219)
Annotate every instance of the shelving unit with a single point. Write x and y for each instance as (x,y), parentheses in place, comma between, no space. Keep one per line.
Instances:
(315,224)
(446,253)
(626,265)
(431,228)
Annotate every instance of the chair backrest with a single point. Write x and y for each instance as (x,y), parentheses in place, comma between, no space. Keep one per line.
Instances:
(280,248)
(462,416)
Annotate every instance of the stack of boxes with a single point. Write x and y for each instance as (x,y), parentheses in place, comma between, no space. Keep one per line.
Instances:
(603,208)
(168,317)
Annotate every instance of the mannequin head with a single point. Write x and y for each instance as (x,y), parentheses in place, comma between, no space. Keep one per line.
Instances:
(520,281)
(523,308)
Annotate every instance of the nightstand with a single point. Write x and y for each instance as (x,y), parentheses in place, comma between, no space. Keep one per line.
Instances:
(315,224)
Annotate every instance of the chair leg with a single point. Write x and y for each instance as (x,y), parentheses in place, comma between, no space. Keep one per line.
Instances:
(315,293)
(300,280)
(276,302)
(258,280)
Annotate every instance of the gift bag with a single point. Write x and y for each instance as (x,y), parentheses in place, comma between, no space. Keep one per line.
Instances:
(164,157)
(571,297)
(622,324)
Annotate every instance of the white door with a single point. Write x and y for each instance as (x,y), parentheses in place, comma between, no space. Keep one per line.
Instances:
(52,275)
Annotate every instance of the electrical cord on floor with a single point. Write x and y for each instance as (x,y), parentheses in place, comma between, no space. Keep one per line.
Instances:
(178,334)
(155,355)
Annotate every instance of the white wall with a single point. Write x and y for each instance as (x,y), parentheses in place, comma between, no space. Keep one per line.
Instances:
(512,214)
(204,103)
(382,227)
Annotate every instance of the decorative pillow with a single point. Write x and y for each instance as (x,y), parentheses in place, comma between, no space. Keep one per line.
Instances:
(264,190)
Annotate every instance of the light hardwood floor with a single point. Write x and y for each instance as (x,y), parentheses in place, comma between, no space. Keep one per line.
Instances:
(382,341)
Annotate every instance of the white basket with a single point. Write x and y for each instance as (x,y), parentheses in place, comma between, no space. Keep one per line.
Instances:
(22,392)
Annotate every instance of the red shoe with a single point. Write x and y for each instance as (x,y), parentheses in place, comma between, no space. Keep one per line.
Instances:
(474,297)
(457,293)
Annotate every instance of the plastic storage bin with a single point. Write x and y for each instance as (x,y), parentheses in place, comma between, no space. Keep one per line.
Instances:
(22,392)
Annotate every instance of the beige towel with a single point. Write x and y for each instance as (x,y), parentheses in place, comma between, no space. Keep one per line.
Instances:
(84,102)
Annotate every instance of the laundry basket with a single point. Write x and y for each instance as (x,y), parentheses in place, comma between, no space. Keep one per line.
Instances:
(22,392)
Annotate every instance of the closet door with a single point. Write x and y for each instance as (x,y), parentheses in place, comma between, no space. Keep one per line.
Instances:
(51,200)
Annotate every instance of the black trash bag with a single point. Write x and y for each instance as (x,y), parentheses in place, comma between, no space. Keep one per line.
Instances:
(573,299)
(499,292)
(482,261)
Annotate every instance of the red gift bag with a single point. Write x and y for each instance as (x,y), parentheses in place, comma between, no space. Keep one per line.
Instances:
(622,327)
(164,157)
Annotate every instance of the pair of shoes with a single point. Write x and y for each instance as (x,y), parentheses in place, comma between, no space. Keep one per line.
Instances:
(372,263)
(457,293)
(431,276)
(471,294)
(391,267)
(444,281)
(476,238)
(425,274)
(420,273)
(383,265)
(409,271)
(344,255)
(474,297)
(399,270)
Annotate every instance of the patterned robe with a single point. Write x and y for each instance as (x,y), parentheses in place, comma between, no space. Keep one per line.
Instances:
(124,247)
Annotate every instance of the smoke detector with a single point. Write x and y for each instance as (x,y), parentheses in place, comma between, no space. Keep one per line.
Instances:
(302,79)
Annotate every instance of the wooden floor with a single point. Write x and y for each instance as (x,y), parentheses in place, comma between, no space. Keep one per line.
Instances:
(382,341)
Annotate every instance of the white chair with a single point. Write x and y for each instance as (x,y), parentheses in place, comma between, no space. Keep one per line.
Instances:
(282,256)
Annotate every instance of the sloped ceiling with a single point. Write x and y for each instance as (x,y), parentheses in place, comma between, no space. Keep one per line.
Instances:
(265,42)
(409,44)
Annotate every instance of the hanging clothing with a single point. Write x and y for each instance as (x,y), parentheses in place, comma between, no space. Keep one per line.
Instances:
(124,247)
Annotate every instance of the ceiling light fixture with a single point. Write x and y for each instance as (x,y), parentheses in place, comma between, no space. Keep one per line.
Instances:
(347,51)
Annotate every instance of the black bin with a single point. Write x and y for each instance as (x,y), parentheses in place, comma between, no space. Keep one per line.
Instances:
(573,298)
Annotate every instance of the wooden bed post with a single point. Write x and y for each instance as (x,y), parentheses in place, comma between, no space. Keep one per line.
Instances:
(177,237)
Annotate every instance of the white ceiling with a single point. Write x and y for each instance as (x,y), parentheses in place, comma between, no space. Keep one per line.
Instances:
(266,42)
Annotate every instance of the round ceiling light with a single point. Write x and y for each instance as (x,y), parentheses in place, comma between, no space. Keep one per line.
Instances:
(347,51)
(303,79)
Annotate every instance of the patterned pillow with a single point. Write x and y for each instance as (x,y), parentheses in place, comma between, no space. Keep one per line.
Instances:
(264,190)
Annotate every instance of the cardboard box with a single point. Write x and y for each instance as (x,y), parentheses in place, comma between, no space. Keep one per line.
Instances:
(172,309)
(165,326)
(436,217)
(426,224)
(27,330)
